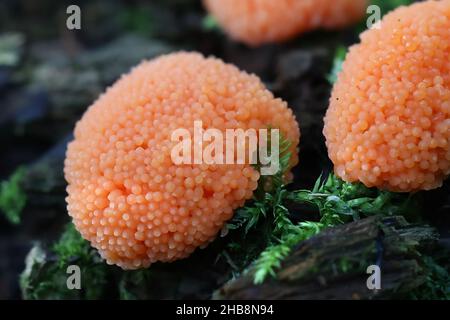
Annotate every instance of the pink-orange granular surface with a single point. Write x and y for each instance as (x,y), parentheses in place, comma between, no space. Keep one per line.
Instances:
(126,195)
(388,124)
(257,22)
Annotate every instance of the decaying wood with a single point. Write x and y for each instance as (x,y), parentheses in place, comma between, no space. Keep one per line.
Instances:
(333,264)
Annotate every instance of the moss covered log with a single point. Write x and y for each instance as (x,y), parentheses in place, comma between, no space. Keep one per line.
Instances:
(333,264)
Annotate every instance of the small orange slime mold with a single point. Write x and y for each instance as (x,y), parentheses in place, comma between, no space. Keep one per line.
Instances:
(257,22)
(125,194)
(388,123)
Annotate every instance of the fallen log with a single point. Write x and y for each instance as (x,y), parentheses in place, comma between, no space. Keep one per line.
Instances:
(333,264)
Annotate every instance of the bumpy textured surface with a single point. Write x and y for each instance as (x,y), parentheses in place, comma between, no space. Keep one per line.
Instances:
(264,21)
(125,194)
(388,124)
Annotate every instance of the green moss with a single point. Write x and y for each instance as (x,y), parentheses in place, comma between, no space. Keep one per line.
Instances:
(210,23)
(437,284)
(134,285)
(337,201)
(12,198)
(45,275)
(72,246)
(338,60)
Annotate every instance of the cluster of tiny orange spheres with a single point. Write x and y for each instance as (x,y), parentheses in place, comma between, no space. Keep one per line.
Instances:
(388,124)
(126,195)
(257,22)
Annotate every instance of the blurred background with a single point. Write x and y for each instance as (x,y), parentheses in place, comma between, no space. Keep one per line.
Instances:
(49,75)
